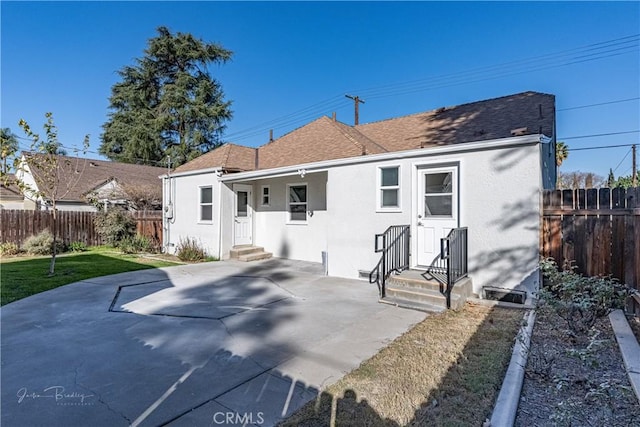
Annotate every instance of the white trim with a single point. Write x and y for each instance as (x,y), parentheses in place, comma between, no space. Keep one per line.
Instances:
(434,166)
(419,152)
(201,204)
(288,219)
(379,188)
(193,172)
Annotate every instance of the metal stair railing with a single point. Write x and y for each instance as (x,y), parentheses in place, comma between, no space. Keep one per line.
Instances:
(395,255)
(452,264)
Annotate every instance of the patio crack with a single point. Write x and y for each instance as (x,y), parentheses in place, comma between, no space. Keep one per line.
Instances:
(98,396)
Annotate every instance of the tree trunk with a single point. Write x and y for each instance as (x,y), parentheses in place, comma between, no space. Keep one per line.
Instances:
(52,265)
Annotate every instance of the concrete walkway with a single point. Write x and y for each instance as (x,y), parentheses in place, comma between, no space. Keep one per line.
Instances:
(223,343)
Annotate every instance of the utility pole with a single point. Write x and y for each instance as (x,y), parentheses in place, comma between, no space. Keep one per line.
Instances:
(634,169)
(356,101)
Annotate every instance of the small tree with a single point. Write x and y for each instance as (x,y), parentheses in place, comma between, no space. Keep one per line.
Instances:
(47,166)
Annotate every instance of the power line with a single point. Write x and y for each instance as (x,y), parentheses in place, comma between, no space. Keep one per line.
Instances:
(625,156)
(601,50)
(599,134)
(599,104)
(601,147)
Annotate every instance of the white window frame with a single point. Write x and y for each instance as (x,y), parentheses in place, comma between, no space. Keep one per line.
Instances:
(288,213)
(268,195)
(380,187)
(201,204)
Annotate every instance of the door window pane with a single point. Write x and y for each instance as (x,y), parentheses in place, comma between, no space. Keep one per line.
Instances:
(438,183)
(243,200)
(437,206)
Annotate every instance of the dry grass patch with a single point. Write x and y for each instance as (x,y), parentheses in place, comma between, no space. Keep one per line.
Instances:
(447,370)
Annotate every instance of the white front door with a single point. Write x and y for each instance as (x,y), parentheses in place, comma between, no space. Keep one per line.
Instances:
(437,211)
(243,214)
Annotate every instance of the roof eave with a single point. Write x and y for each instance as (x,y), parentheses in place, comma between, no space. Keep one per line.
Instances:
(192,172)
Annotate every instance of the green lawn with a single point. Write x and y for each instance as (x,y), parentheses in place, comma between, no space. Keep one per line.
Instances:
(24,276)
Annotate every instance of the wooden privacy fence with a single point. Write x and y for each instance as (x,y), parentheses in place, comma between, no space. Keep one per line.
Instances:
(598,230)
(72,226)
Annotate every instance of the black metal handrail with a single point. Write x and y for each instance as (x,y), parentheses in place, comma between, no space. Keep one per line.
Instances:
(453,251)
(395,255)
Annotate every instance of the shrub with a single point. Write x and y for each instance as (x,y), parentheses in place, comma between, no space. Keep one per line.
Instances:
(77,247)
(114,225)
(577,299)
(42,244)
(136,244)
(189,249)
(9,248)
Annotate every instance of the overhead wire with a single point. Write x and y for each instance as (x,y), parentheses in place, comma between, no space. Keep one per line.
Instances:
(591,52)
(623,159)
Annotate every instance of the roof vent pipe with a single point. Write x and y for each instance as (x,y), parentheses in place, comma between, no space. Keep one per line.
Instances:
(333,116)
(270,135)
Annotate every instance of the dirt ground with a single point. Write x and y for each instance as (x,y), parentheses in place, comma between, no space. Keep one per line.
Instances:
(576,380)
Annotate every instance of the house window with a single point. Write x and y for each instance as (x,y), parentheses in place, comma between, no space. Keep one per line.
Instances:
(389,188)
(206,204)
(265,195)
(297,202)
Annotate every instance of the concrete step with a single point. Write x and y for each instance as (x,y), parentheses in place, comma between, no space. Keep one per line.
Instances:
(238,251)
(255,256)
(412,305)
(424,296)
(417,290)
(413,279)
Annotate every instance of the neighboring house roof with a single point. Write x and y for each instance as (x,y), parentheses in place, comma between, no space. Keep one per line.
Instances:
(10,191)
(326,139)
(229,157)
(94,174)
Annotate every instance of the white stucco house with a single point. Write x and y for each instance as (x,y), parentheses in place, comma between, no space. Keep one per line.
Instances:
(323,191)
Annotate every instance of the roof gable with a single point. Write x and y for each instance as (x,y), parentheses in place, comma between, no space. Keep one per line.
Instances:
(229,157)
(322,139)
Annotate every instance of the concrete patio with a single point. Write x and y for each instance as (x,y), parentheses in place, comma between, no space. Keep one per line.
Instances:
(223,343)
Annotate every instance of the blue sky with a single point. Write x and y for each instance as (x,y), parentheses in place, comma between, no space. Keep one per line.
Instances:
(295,61)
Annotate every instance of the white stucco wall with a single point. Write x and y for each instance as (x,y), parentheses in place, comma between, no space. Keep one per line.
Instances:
(292,240)
(499,203)
(184,195)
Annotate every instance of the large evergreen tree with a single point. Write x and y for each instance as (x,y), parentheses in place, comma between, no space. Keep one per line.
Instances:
(167,104)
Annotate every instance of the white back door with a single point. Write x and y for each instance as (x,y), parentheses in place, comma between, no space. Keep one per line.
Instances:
(437,211)
(243,215)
